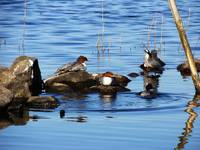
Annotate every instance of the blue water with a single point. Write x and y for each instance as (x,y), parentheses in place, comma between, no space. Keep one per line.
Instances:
(58,31)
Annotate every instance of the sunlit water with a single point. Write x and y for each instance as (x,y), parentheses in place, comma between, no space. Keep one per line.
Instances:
(59,31)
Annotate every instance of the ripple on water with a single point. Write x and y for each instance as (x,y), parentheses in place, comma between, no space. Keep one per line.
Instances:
(123,102)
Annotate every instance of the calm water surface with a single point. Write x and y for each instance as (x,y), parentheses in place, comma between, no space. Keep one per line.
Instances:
(58,31)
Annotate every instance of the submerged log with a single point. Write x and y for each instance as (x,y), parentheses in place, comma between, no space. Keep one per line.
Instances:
(23,78)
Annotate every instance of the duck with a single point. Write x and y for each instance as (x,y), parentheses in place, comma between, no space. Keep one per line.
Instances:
(79,64)
(107,79)
(184,68)
(151,61)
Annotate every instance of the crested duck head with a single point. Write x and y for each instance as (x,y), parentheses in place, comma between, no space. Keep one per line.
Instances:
(81,59)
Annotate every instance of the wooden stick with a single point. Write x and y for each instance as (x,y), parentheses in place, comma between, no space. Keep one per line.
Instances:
(185,44)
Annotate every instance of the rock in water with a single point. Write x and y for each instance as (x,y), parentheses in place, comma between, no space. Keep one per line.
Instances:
(42,102)
(6,97)
(82,81)
(77,81)
(23,78)
(133,74)
(108,89)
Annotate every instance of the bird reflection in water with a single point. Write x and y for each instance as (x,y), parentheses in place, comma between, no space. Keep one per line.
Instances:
(79,119)
(183,139)
(108,100)
(151,83)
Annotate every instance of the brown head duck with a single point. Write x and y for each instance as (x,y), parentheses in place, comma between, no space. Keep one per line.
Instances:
(107,79)
(78,65)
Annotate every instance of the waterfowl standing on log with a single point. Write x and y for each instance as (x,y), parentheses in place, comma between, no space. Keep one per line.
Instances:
(78,65)
(152,62)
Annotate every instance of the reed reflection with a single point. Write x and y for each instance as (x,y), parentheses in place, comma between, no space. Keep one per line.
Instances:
(183,139)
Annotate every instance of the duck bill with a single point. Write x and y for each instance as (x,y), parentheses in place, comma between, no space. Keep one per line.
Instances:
(147,51)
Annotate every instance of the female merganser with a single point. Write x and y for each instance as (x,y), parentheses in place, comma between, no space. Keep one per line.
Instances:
(151,61)
(78,65)
(107,79)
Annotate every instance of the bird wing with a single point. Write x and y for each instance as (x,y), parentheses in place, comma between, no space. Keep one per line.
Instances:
(77,67)
(64,68)
(161,62)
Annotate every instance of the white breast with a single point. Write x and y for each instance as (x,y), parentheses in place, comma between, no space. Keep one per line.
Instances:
(106,81)
(84,64)
(146,58)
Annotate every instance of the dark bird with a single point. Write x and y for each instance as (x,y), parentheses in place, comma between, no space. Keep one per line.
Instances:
(151,61)
(78,65)
(184,68)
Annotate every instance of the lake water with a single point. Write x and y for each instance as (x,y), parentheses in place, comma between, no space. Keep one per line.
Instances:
(58,31)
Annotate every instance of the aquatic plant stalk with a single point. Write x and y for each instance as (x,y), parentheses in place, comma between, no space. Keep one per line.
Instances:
(161,32)
(185,44)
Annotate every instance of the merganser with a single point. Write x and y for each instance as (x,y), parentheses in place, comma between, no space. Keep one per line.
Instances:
(78,65)
(151,61)
(184,68)
(106,79)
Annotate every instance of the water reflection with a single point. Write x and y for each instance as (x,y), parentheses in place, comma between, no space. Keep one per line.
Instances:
(74,96)
(14,117)
(108,100)
(79,119)
(151,84)
(183,139)
(17,116)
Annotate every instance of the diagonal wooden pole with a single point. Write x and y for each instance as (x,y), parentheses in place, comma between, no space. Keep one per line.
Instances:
(185,44)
